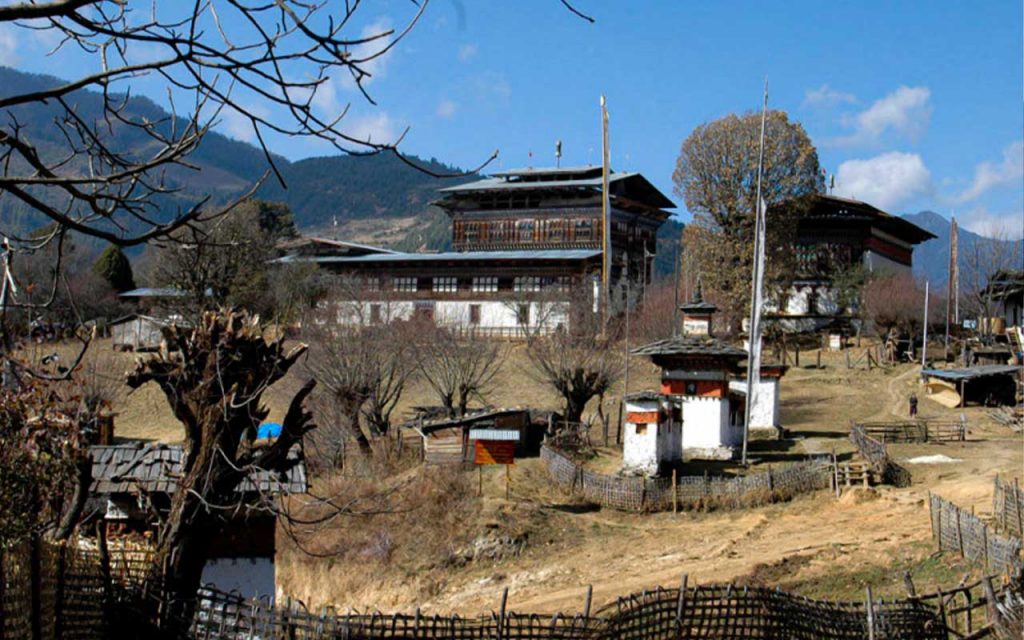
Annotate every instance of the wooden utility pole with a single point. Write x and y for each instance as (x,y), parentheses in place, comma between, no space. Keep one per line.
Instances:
(952,283)
(606,217)
(924,339)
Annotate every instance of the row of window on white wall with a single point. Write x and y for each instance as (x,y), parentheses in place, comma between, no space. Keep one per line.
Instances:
(484,284)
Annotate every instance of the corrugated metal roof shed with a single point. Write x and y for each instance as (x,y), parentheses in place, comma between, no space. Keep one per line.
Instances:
(971,373)
(155,468)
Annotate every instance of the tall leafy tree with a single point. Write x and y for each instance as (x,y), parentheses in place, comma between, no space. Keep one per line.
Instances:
(114,267)
(716,175)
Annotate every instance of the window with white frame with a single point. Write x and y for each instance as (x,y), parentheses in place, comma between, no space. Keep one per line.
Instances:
(485,283)
(526,283)
(559,283)
(446,284)
(404,284)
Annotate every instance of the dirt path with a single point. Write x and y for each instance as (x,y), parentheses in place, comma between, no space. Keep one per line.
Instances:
(896,409)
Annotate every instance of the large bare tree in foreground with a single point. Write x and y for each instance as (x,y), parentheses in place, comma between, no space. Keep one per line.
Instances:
(214,377)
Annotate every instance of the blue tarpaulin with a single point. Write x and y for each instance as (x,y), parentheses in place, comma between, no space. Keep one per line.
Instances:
(268,430)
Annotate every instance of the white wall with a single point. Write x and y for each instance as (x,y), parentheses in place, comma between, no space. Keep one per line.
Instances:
(493,313)
(703,422)
(640,451)
(764,411)
(251,577)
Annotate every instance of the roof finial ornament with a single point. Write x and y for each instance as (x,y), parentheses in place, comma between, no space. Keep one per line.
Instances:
(698,293)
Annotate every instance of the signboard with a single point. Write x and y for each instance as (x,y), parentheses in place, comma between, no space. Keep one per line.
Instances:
(495,452)
(835,342)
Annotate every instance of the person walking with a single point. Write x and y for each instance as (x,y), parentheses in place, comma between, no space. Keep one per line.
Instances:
(913,405)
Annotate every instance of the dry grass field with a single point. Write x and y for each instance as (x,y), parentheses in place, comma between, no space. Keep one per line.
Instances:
(446,550)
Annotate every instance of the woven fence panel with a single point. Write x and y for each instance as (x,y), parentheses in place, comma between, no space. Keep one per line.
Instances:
(726,612)
(962,532)
(641,494)
(878,457)
(1008,507)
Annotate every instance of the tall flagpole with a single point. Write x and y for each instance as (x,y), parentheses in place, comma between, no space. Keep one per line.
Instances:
(606,217)
(757,287)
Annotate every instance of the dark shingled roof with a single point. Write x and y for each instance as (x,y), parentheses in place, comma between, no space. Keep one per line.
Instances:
(154,468)
(690,345)
(640,396)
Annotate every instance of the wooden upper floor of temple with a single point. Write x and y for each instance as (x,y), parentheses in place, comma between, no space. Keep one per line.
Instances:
(553,208)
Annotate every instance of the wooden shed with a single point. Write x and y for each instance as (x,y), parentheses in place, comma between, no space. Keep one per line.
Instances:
(448,442)
(137,332)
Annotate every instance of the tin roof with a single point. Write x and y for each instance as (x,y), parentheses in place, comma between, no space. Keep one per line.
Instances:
(502,435)
(153,292)
(155,468)
(451,256)
(970,373)
(570,178)
(466,420)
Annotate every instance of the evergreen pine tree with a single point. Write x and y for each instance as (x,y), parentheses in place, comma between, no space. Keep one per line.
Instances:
(114,267)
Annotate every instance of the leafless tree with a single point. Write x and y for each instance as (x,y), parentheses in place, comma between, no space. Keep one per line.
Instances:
(579,361)
(979,263)
(362,354)
(214,376)
(458,366)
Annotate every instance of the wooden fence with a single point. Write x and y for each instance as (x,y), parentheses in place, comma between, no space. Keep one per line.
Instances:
(702,611)
(875,453)
(916,431)
(688,492)
(50,590)
(81,601)
(1008,507)
(955,529)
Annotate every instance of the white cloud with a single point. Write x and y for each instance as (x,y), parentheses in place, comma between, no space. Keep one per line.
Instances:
(8,46)
(467,52)
(376,127)
(988,175)
(886,181)
(1004,226)
(446,108)
(492,84)
(237,125)
(368,56)
(826,96)
(906,111)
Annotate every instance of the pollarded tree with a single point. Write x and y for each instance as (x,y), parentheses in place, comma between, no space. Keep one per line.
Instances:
(214,376)
(579,361)
(716,175)
(114,267)
(458,367)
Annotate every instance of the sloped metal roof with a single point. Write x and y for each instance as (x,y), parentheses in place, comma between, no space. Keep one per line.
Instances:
(155,468)
(452,256)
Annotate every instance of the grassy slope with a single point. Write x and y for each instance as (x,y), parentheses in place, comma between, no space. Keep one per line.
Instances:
(816,544)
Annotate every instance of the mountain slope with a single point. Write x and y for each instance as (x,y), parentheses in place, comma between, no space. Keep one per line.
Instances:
(375,199)
(931,258)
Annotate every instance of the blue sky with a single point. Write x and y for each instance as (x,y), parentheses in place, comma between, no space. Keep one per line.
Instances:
(913,105)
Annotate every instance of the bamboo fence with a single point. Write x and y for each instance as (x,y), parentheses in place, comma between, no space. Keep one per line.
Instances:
(1008,507)
(689,492)
(875,452)
(63,591)
(955,529)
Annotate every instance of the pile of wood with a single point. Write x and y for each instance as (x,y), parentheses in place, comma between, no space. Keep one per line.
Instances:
(1012,417)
